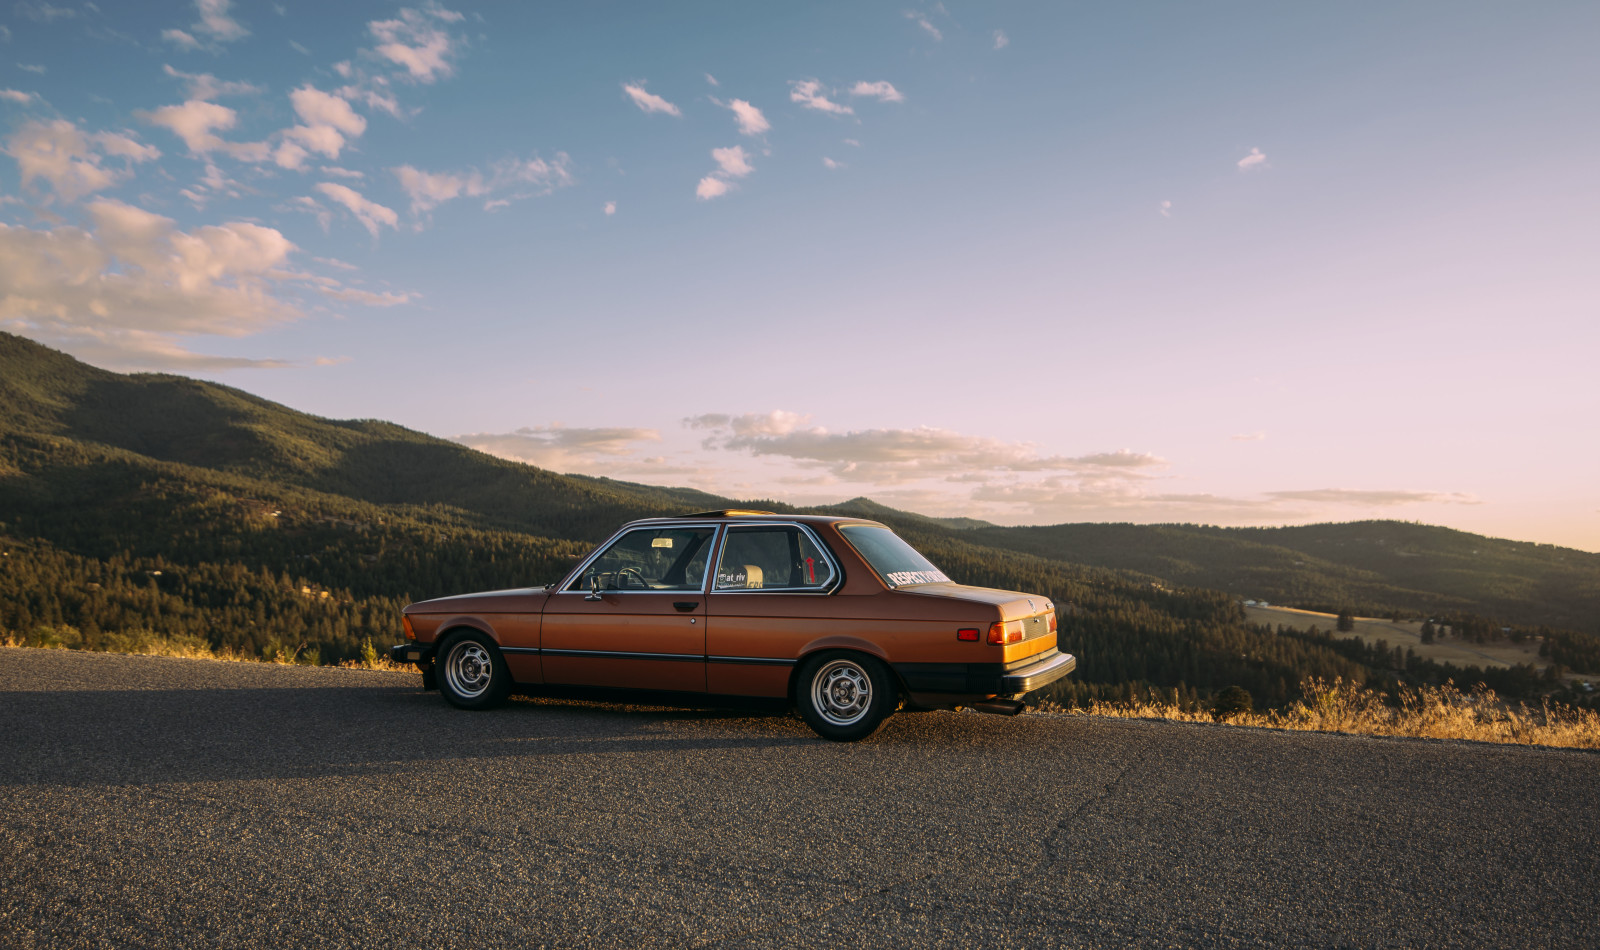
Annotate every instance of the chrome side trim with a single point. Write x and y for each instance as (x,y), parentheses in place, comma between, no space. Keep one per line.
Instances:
(751,660)
(618,655)
(521,651)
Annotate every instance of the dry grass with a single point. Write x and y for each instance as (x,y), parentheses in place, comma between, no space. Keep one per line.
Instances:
(1428,712)
(145,643)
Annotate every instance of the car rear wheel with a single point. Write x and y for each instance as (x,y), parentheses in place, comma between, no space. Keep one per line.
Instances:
(844,696)
(471,673)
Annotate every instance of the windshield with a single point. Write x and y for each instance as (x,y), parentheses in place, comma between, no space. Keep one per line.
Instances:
(897,562)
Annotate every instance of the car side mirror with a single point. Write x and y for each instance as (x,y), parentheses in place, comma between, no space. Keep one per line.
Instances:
(594,588)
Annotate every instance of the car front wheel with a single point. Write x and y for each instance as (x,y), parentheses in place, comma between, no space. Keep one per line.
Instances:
(470,672)
(844,696)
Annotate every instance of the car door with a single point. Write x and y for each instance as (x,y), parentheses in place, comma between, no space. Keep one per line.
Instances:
(769,598)
(635,615)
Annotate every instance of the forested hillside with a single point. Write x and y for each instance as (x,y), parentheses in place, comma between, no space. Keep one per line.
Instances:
(136,508)
(1376,568)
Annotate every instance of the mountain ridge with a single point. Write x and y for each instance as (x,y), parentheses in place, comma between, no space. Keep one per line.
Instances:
(235,444)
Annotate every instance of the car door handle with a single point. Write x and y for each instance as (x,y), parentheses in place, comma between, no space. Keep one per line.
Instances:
(686,605)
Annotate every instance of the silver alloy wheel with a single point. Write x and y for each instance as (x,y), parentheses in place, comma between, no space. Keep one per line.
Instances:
(468,669)
(841,692)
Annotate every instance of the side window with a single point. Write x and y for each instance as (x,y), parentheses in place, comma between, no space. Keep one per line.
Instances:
(648,559)
(772,557)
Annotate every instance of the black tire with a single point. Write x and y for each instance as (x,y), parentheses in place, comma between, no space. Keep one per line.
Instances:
(471,673)
(844,696)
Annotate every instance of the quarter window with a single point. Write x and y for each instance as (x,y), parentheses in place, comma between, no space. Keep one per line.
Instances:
(648,559)
(772,557)
(897,562)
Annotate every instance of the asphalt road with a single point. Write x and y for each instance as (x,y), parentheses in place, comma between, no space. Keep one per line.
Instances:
(148,802)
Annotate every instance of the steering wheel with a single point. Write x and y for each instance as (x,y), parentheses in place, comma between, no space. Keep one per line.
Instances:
(632,573)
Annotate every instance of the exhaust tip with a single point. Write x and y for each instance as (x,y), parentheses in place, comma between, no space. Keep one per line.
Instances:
(999,707)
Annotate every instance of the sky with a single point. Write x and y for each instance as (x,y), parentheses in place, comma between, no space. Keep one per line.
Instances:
(1228,263)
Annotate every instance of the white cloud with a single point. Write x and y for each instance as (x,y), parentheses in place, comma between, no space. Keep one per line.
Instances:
(374,93)
(372,215)
(649,101)
(710,187)
(328,122)
(132,285)
(1166,209)
(750,119)
(180,39)
(733,162)
(1249,437)
(1001,40)
(927,27)
(212,183)
(216,25)
(882,91)
(207,86)
(215,21)
(808,92)
(309,205)
(416,42)
(712,80)
(59,153)
(611,208)
(891,456)
(18,96)
(124,145)
(513,179)
(428,190)
(291,156)
(559,448)
(1254,160)
(852,142)
(197,122)
(831,164)
(367,297)
(31,68)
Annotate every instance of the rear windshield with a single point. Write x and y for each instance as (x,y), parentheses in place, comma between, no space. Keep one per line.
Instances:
(897,562)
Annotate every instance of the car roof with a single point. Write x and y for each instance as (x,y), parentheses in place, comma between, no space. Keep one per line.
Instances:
(735,515)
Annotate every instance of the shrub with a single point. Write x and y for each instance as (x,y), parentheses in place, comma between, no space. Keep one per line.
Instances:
(1231,702)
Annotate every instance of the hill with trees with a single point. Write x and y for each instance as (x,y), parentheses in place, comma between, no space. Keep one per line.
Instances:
(148,507)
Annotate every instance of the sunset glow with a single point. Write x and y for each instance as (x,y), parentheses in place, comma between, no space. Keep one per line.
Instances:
(1030,263)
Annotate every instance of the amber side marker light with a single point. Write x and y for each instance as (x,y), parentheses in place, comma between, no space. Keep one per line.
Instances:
(998,634)
(969,634)
(410,633)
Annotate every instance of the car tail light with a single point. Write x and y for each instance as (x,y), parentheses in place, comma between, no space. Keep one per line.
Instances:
(410,633)
(969,634)
(998,634)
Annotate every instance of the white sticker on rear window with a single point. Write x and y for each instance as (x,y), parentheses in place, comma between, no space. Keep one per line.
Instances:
(902,578)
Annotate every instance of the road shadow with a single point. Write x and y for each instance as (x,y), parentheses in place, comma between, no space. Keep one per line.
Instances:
(135,736)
